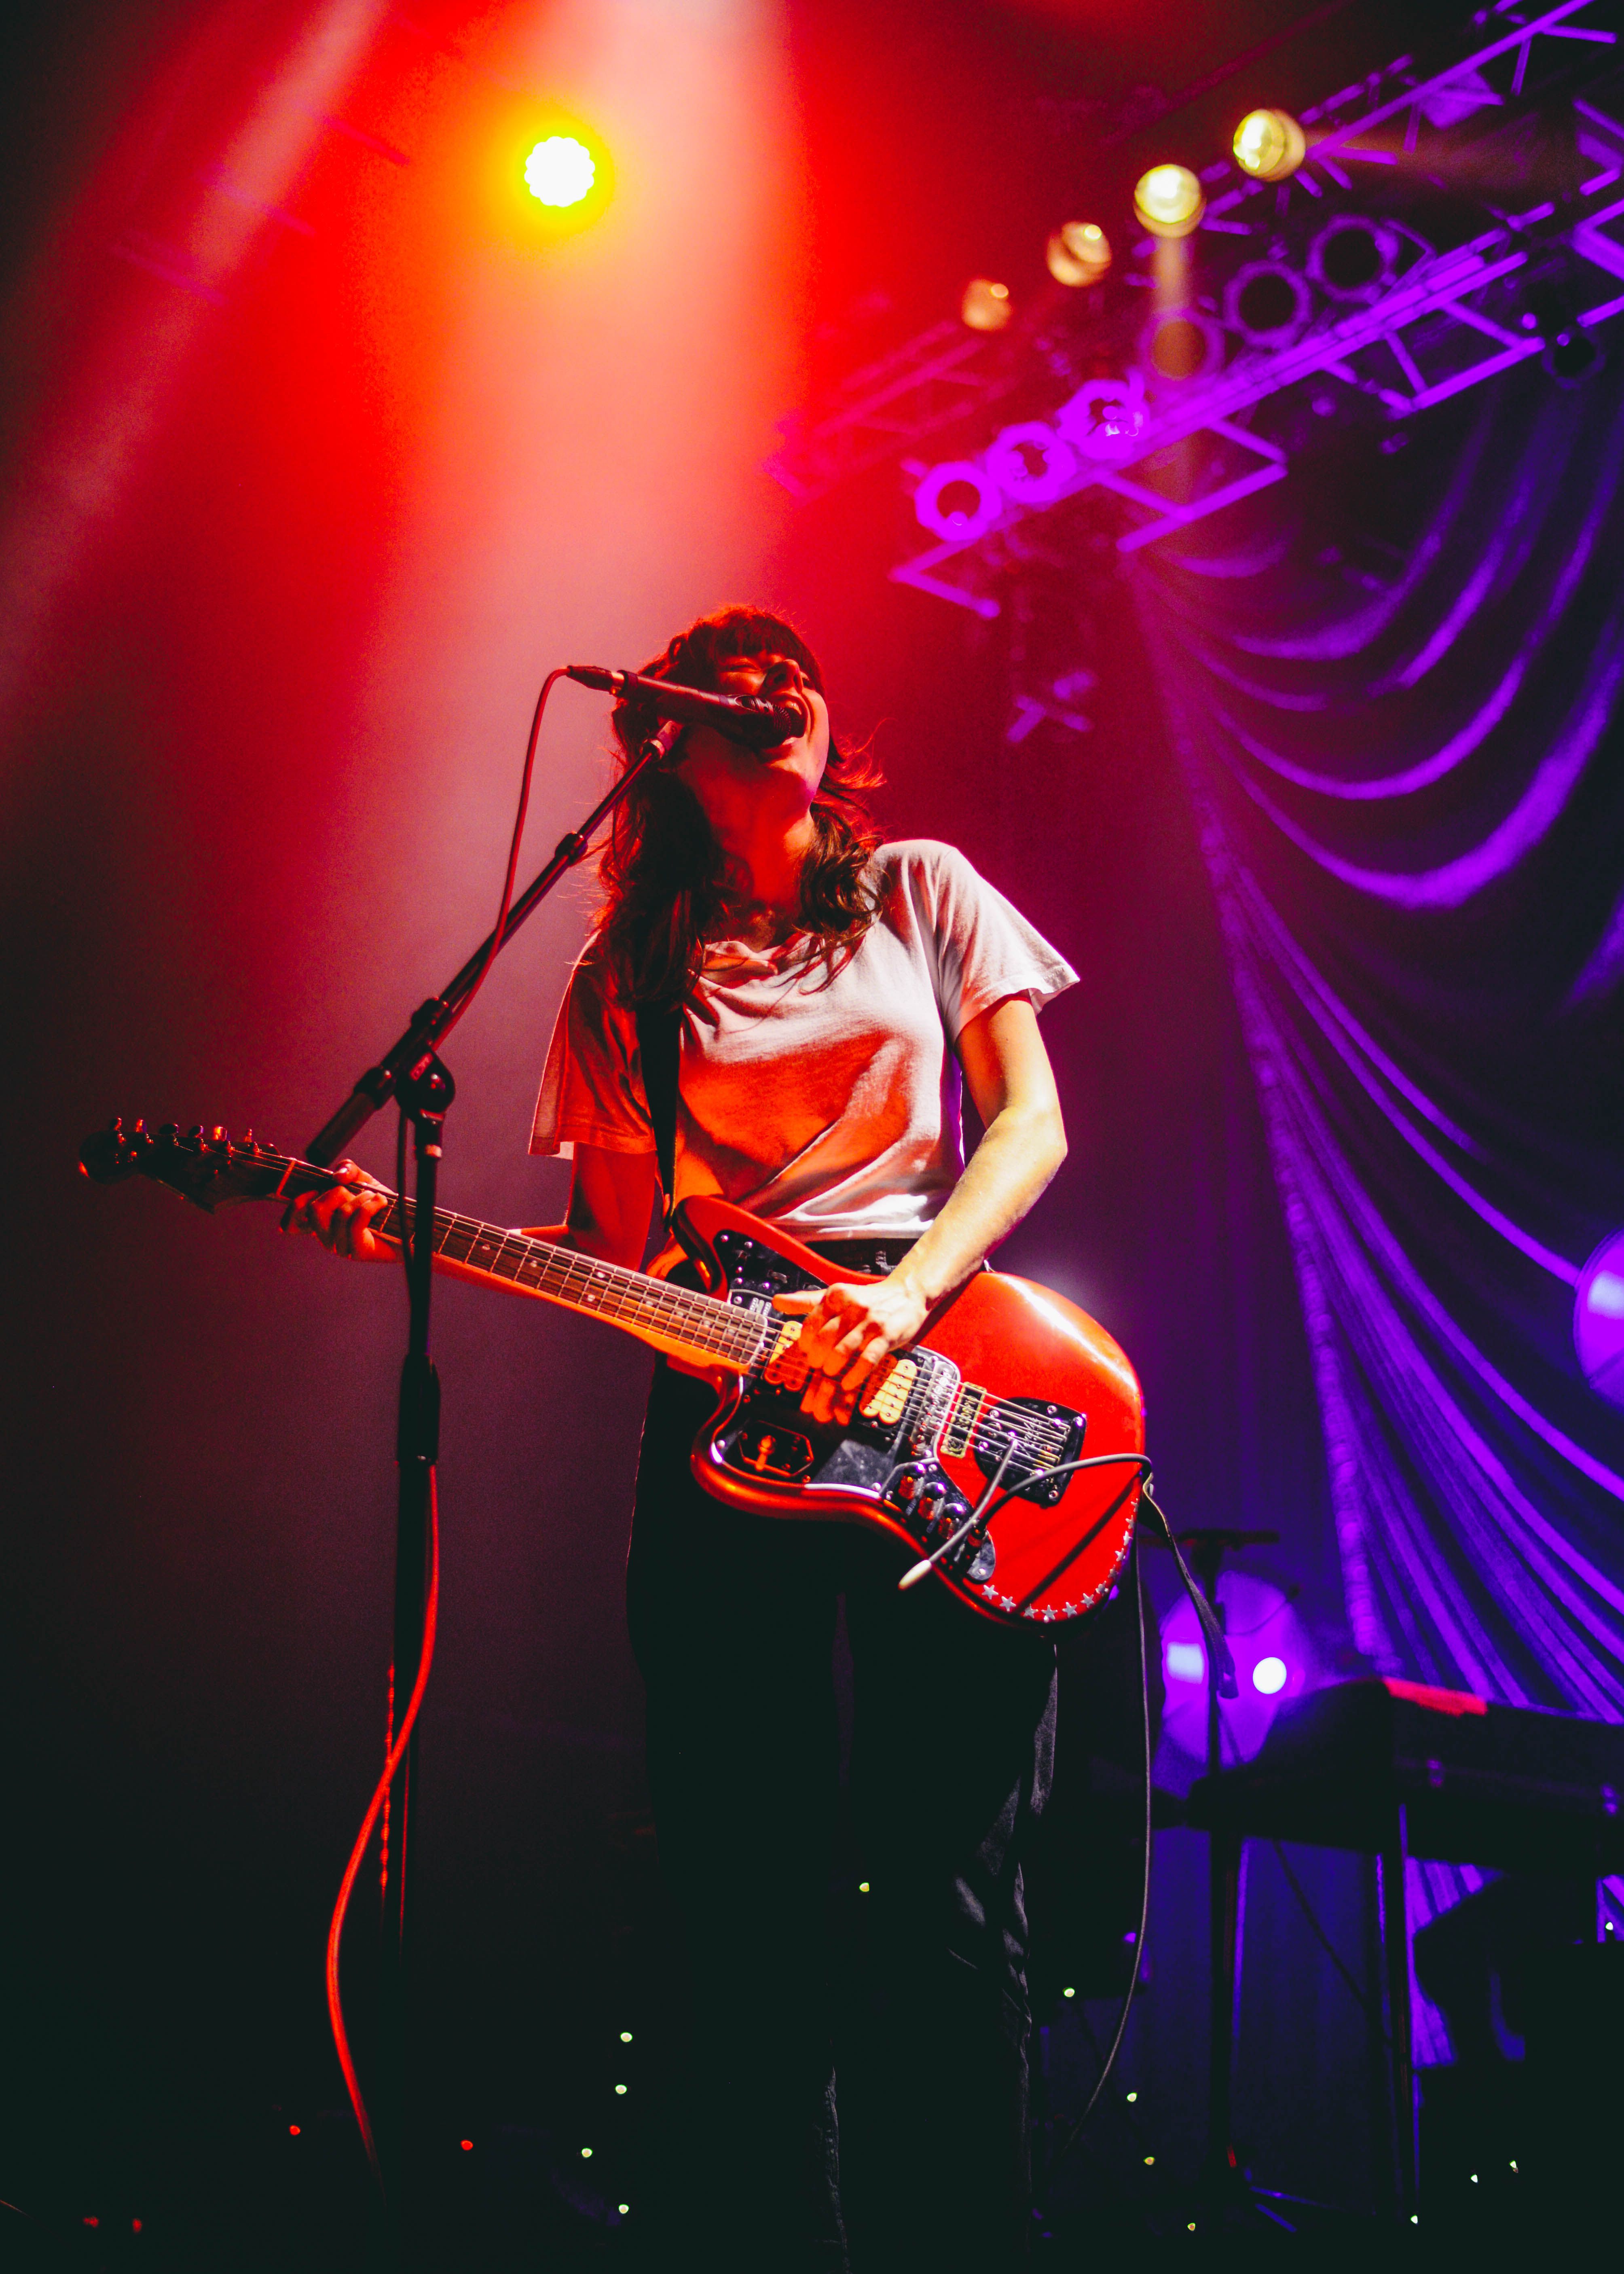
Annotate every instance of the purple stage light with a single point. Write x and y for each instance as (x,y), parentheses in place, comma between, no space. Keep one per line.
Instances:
(1030,464)
(957,502)
(1186,1661)
(1106,418)
(1271,1663)
(1598,1320)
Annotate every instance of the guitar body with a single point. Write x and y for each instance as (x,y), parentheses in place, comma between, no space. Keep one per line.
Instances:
(1000,1361)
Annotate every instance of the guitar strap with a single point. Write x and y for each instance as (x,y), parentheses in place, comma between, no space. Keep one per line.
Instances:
(659,1042)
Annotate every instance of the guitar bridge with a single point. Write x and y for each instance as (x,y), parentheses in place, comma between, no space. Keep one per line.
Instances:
(1045,1437)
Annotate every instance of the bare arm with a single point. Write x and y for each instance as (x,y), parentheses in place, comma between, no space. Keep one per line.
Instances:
(612,1197)
(612,1200)
(851,1328)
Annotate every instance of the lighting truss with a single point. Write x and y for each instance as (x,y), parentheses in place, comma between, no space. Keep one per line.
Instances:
(1436,321)
(918,388)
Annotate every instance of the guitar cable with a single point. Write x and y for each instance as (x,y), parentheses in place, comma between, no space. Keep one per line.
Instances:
(396,1755)
(1121,2031)
(1223,1666)
(1219,1659)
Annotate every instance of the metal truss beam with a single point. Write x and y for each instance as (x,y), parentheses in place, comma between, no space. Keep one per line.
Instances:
(921,388)
(1436,330)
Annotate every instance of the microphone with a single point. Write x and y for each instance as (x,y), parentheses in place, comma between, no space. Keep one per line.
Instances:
(748,718)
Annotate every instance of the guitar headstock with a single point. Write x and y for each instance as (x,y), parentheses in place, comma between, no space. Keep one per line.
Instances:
(206,1166)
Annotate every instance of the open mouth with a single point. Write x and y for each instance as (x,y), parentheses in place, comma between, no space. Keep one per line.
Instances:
(787,701)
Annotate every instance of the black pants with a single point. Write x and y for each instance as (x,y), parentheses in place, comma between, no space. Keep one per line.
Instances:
(732,1621)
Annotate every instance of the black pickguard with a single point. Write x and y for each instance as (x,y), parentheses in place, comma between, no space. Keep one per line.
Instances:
(768,1437)
(1030,1479)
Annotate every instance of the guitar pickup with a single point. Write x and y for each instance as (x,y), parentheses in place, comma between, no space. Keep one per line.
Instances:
(786,1367)
(889,1391)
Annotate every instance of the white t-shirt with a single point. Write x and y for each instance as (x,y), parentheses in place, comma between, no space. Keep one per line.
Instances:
(828,1106)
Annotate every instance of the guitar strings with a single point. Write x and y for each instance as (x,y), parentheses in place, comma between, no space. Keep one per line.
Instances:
(719,1327)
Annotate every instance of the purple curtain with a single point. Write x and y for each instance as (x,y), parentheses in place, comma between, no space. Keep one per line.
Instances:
(1395,696)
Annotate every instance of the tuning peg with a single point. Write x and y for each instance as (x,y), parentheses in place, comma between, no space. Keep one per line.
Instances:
(169,1135)
(137,1128)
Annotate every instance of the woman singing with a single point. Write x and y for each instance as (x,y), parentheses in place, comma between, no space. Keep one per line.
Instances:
(829,995)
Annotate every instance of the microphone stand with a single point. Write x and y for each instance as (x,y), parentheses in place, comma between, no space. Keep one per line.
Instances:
(412,1073)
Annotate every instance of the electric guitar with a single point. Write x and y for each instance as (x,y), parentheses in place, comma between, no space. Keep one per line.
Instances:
(1005,1448)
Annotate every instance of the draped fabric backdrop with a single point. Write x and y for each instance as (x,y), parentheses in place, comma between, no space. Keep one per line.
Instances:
(1399,723)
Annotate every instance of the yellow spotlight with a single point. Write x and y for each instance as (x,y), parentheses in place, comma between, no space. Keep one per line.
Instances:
(986,305)
(548,174)
(560,171)
(1269,145)
(1078,252)
(1168,201)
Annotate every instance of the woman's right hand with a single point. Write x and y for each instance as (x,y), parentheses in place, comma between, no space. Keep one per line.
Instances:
(340,1216)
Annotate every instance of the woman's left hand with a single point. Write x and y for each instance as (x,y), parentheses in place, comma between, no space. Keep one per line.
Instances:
(850,1329)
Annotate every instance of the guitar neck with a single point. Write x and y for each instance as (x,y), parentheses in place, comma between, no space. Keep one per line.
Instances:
(677,1320)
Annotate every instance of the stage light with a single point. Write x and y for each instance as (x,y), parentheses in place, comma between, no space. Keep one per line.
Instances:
(1149,2161)
(626,2037)
(1030,464)
(560,171)
(619,2091)
(1168,201)
(586,2152)
(1078,252)
(1106,418)
(1571,356)
(466,2146)
(1598,1320)
(1184,345)
(1068,1993)
(1353,259)
(1132,2098)
(957,502)
(862,1886)
(1272,1663)
(1269,145)
(1266,303)
(622,2209)
(985,306)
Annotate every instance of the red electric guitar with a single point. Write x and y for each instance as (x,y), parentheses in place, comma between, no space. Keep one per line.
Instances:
(1005,1447)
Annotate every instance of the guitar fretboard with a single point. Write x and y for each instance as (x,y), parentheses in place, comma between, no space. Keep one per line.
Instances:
(650,1308)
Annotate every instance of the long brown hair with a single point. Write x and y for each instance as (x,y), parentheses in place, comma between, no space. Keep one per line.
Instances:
(664,874)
